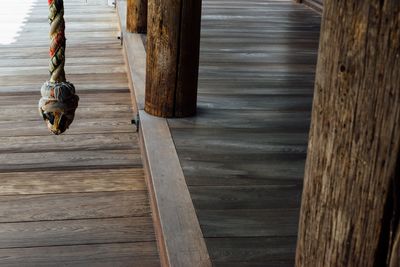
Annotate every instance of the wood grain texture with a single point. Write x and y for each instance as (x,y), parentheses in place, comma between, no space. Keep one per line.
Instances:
(107,141)
(248,222)
(162,55)
(394,258)
(79,199)
(136,17)
(354,138)
(75,232)
(172,57)
(83,127)
(71,181)
(143,254)
(63,160)
(251,251)
(69,206)
(180,228)
(245,197)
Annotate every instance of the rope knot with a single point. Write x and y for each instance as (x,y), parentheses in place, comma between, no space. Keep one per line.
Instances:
(57,105)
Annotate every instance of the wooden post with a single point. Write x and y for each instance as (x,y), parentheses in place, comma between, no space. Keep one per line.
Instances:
(173,42)
(350,205)
(136,17)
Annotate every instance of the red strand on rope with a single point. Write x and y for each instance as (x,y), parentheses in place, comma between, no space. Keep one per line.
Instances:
(57,41)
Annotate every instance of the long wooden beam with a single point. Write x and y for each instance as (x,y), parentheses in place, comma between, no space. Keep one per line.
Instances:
(350,206)
(179,236)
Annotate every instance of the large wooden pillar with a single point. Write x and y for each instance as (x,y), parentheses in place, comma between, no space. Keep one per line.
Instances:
(350,206)
(172,57)
(136,17)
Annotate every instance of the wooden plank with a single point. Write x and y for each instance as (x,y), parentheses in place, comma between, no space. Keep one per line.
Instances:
(95,125)
(89,99)
(81,53)
(32,88)
(120,141)
(245,84)
(176,213)
(257,102)
(80,40)
(76,232)
(272,158)
(248,223)
(84,113)
(72,61)
(274,121)
(38,80)
(135,57)
(69,159)
(246,197)
(256,58)
(43,42)
(72,70)
(250,251)
(143,254)
(52,207)
(209,172)
(71,181)
(246,141)
(36,26)
(249,264)
(199,173)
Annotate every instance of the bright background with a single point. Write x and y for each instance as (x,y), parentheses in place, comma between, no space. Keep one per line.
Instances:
(13,15)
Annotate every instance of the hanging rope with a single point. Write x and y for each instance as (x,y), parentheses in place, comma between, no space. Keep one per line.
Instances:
(59,101)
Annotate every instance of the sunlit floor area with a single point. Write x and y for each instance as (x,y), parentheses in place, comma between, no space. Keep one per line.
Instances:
(78,199)
(13,16)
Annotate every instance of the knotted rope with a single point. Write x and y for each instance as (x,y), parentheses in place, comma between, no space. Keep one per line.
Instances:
(59,101)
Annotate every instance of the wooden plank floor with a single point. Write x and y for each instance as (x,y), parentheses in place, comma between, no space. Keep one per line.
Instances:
(244,154)
(78,199)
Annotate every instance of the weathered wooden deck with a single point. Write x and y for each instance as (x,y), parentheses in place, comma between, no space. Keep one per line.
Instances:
(243,156)
(78,199)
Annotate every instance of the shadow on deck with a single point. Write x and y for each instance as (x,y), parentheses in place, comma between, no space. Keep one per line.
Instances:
(243,156)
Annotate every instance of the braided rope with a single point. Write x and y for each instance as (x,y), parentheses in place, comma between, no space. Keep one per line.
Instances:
(59,101)
(57,44)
